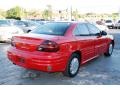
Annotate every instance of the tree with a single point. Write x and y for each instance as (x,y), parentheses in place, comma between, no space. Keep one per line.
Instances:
(34,14)
(47,13)
(15,13)
(115,15)
(75,14)
(2,13)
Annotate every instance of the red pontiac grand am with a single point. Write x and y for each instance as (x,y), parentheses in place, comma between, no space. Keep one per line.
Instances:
(60,47)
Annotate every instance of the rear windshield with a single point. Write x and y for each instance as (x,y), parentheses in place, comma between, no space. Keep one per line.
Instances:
(108,21)
(52,29)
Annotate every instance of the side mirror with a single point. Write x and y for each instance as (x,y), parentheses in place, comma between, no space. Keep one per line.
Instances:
(98,34)
(103,33)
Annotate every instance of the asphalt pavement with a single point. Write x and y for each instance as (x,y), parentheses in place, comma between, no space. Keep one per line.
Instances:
(100,71)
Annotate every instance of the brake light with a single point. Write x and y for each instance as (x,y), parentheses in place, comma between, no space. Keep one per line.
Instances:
(48,46)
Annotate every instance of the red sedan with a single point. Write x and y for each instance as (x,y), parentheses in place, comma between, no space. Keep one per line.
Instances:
(60,47)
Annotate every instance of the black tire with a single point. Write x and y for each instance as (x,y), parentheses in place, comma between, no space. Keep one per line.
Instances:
(112,27)
(67,71)
(109,53)
(115,27)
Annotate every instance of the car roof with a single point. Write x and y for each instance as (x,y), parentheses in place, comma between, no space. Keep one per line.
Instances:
(72,22)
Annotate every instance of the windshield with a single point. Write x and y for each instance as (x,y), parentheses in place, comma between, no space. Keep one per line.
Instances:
(52,29)
(25,23)
(108,21)
(4,23)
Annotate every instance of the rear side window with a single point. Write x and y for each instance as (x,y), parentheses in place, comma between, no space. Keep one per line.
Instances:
(81,30)
(52,29)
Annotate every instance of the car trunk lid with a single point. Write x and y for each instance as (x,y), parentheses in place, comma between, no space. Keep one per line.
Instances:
(30,42)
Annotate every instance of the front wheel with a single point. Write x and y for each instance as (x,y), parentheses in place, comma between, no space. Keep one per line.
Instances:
(73,66)
(110,50)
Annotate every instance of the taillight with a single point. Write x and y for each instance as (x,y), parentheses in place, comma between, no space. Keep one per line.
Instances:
(48,46)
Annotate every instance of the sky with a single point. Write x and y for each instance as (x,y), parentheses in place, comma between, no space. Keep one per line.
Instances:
(83,6)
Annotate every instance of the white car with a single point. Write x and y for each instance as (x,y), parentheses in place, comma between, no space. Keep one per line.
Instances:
(26,26)
(7,31)
(117,24)
(102,27)
(109,24)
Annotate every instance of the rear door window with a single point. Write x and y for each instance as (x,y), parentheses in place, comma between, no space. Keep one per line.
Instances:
(81,30)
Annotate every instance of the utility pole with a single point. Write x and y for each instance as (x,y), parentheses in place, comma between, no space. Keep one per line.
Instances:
(119,12)
(70,13)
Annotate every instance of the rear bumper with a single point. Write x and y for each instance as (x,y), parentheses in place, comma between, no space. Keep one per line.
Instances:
(48,62)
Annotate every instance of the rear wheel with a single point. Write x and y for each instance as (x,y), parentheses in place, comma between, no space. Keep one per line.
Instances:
(115,27)
(73,66)
(110,50)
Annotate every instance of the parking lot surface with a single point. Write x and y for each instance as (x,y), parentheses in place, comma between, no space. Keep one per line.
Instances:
(102,70)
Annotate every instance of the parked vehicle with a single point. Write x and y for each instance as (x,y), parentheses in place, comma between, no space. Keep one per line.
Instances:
(101,26)
(41,21)
(109,24)
(27,26)
(117,24)
(7,31)
(60,47)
